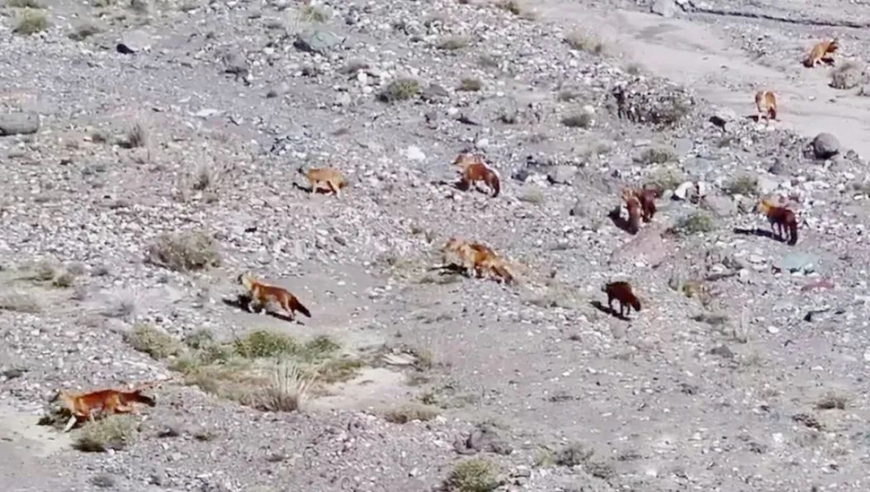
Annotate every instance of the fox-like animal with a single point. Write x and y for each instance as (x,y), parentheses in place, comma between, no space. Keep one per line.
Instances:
(621,291)
(82,406)
(473,169)
(476,259)
(781,218)
(261,294)
(326,177)
(647,199)
(765,105)
(822,52)
(633,205)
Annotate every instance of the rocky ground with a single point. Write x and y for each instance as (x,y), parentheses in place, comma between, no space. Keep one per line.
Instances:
(150,154)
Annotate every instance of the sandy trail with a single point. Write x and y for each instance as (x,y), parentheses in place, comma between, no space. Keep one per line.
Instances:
(697,55)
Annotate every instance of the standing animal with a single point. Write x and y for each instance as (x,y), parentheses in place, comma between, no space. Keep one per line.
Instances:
(261,294)
(473,169)
(765,105)
(822,52)
(647,199)
(780,218)
(633,205)
(82,406)
(621,291)
(331,178)
(475,258)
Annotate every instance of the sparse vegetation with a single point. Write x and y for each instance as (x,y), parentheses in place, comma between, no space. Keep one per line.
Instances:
(573,455)
(399,90)
(265,343)
(578,120)
(582,41)
(534,195)
(474,475)
(83,31)
(743,185)
(848,76)
(114,432)
(186,251)
(19,302)
(24,4)
(411,412)
(832,401)
(567,96)
(453,43)
(489,61)
(470,85)
(512,6)
(150,340)
(64,280)
(657,154)
(136,137)
(666,179)
(31,22)
(696,223)
(314,13)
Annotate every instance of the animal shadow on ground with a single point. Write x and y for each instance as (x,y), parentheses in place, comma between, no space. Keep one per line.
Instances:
(605,309)
(619,221)
(241,303)
(310,189)
(450,269)
(758,232)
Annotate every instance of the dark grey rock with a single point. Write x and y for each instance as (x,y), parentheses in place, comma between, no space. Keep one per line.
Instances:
(317,41)
(19,123)
(825,146)
(664,8)
(561,174)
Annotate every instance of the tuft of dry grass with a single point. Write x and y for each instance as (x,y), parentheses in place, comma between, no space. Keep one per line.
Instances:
(533,195)
(474,475)
(657,155)
(581,40)
(411,412)
(848,76)
(696,223)
(573,454)
(470,85)
(743,185)
(24,4)
(136,137)
(203,178)
(453,43)
(832,401)
(83,31)
(114,432)
(19,302)
(286,390)
(265,343)
(512,6)
(31,22)
(150,340)
(186,251)
(314,13)
(666,179)
(402,89)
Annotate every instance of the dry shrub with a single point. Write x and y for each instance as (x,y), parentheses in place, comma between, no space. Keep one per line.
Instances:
(153,342)
(114,432)
(474,475)
(31,22)
(186,251)
(411,412)
(581,40)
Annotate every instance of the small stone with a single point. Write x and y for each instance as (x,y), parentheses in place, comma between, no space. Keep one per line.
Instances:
(415,154)
(664,8)
(772,330)
(561,174)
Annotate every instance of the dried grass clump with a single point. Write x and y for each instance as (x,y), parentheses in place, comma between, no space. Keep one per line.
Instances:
(186,251)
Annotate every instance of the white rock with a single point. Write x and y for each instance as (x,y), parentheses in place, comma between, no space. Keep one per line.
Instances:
(415,154)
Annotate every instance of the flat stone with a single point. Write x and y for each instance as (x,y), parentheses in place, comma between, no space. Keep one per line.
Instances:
(19,123)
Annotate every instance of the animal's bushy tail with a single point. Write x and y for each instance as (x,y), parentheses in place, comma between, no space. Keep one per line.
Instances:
(772,112)
(297,306)
(635,303)
(147,400)
(808,62)
(504,273)
(793,234)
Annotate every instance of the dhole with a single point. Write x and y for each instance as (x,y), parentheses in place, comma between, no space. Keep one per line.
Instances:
(634,210)
(647,199)
(765,105)
(621,291)
(261,294)
(475,258)
(822,52)
(780,217)
(108,401)
(474,169)
(331,178)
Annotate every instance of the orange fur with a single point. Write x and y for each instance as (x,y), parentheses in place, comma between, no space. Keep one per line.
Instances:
(261,294)
(621,291)
(646,197)
(821,52)
(108,401)
(781,218)
(634,210)
(332,178)
(476,259)
(474,169)
(765,105)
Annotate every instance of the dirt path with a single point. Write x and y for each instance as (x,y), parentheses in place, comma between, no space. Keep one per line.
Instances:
(697,55)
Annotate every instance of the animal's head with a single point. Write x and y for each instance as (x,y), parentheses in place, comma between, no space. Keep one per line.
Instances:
(833,45)
(764,205)
(452,244)
(635,303)
(244,279)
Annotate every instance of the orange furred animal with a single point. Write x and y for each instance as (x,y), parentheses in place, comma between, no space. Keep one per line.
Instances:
(647,198)
(634,210)
(476,259)
(473,169)
(333,180)
(781,218)
(765,105)
(621,291)
(261,294)
(822,52)
(108,401)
